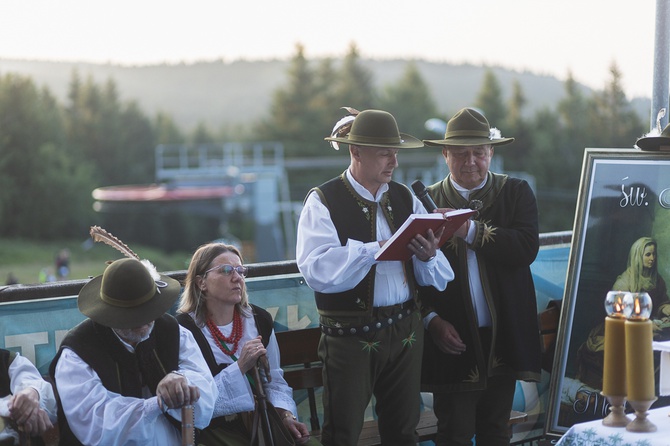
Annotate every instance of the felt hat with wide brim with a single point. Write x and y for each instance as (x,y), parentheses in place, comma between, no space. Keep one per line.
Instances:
(377,128)
(469,128)
(655,142)
(126,296)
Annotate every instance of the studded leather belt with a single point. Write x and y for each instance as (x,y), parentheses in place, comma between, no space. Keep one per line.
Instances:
(395,314)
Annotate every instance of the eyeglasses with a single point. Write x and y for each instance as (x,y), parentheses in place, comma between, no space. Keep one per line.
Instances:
(227,270)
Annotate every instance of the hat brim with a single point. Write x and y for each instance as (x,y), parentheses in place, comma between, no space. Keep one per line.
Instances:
(467,142)
(91,305)
(406,142)
(652,143)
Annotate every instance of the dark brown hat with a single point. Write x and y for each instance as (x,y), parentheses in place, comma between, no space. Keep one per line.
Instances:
(127,296)
(377,128)
(468,128)
(655,142)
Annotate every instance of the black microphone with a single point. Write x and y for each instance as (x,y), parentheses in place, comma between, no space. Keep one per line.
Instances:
(422,194)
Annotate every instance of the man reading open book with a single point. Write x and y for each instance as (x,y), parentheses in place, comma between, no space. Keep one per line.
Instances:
(372,330)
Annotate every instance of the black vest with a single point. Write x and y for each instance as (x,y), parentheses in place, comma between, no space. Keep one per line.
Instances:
(119,370)
(264,324)
(355,218)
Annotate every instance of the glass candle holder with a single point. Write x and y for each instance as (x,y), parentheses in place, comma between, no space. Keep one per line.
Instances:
(614,303)
(637,306)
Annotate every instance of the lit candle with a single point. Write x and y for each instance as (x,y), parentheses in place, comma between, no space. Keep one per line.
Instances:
(614,363)
(639,352)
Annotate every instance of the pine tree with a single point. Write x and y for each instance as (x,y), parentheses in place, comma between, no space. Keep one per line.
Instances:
(411,102)
(613,121)
(573,111)
(116,138)
(201,135)
(516,156)
(292,119)
(166,130)
(41,180)
(489,100)
(355,87)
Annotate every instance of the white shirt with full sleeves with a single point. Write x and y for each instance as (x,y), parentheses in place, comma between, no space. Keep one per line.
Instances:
(329,267)
(100,417)
(235,394)
(23,374)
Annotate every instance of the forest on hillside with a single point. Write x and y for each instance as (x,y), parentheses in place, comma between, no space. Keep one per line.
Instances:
(239,92)
(54,152)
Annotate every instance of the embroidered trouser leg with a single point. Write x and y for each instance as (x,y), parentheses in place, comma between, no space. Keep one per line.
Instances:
(386,364)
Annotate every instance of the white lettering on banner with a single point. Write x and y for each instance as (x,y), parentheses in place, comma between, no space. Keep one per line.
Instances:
(27,343)
(59,334)
(292,319)
(292,322)
(273,312)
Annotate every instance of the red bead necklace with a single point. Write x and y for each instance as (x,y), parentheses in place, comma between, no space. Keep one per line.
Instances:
(235,335)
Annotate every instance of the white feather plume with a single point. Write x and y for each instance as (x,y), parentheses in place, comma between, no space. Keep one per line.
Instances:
(652,133)
(660,115)
(343,126)
(494,133)
(151,268)
(341,123)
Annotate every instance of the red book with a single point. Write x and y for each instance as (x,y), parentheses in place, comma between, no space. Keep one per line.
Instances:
(396,247)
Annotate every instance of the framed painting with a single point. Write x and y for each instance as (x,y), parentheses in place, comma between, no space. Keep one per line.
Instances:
(623,212)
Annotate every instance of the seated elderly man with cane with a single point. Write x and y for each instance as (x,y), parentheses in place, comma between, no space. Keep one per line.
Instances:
(123,374)
(27,401)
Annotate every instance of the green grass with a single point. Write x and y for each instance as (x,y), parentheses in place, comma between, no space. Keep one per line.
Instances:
(25,258)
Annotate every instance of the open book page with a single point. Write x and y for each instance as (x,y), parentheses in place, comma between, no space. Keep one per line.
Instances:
(396,247)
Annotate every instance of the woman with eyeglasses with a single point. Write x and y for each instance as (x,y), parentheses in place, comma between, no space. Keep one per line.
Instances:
(233,334)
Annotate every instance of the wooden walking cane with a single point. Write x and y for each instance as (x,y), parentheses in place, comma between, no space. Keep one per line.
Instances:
(24,437)
(187,426)
(262,399)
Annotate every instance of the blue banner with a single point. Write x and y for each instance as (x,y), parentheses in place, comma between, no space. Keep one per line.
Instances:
(35,328)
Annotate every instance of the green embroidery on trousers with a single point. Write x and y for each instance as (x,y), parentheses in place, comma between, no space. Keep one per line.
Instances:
(370,346)
(409,340)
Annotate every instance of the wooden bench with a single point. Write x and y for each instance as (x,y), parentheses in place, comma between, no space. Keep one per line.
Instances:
(302,371)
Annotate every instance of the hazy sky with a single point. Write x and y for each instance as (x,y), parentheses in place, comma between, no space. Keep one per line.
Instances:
(581,36)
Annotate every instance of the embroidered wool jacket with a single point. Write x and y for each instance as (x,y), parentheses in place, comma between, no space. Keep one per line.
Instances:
(506,243)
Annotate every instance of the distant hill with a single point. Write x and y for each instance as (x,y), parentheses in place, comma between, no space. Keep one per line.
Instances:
(240,92)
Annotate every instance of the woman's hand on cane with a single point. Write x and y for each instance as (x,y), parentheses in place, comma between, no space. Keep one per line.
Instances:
(251,352)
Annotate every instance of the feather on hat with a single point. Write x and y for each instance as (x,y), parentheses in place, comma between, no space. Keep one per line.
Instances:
(130,293)
(656,139)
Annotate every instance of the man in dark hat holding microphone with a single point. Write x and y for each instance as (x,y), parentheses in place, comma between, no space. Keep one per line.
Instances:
(372,331)
(483,328)
(123,374)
